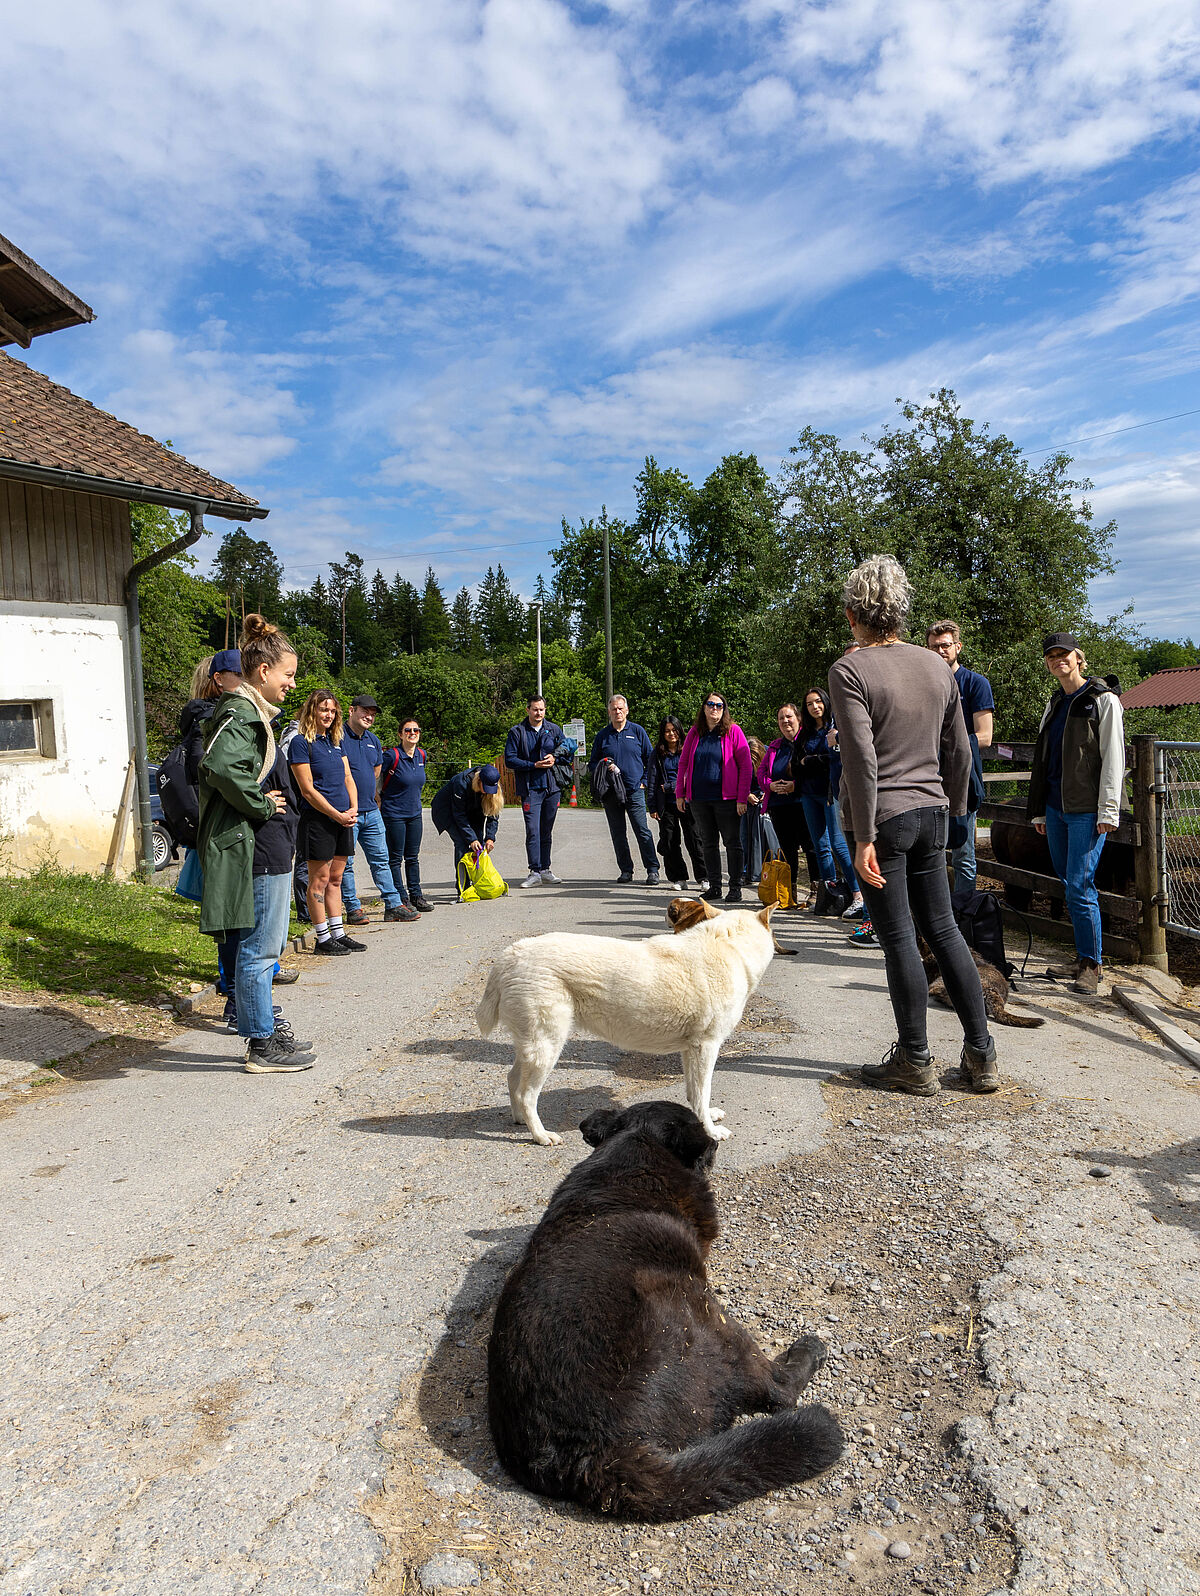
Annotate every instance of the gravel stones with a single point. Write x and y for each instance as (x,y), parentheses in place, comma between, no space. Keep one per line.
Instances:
(900,1550)
(447,1571)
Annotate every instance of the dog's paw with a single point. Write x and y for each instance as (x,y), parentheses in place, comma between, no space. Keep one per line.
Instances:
(718,1133)
(716,1113)
(797,1366)
(548,1139)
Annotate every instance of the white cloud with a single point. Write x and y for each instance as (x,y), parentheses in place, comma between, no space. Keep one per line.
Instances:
(767,104)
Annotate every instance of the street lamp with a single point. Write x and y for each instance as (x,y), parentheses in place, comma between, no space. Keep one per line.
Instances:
(538,608)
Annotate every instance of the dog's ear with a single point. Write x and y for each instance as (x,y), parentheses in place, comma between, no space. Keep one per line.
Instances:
(599,1125)
(709,912)
(765,913)
(687,1138)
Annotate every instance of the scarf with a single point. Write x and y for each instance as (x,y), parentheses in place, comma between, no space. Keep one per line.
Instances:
(266,713)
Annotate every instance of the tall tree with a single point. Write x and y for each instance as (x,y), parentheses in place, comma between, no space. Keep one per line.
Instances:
(177,610)
(246,570)
(435,618)
(462,623)
(499,613)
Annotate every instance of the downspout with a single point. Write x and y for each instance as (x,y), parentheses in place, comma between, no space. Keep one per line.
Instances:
(145,826)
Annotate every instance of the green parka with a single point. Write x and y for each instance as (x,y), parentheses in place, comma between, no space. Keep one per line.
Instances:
(232,805)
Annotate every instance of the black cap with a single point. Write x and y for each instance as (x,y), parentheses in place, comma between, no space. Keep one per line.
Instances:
(1058,640)
(489,778)
(363,701)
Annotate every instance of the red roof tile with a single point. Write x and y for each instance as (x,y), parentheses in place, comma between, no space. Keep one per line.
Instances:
(1165,689)
(44,424)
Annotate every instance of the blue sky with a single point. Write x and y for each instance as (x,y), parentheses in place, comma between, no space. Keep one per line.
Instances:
(426,278)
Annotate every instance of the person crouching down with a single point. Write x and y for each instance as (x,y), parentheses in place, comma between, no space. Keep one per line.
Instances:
(468,808)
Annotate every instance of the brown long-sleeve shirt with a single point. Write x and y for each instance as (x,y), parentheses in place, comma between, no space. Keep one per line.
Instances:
(901,733)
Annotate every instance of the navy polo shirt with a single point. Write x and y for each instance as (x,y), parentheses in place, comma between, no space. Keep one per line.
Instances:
(328,772)
(400,795)
(706,768)
(365,753)
(975,693)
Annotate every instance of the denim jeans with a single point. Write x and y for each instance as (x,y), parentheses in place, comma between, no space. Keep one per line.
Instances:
(370,836)
(911,852)
(753,843)
(258,952)
(962,859)
(719,822)
(539,810)
(404,849)
(1075,847)
(828,841)
(635,808)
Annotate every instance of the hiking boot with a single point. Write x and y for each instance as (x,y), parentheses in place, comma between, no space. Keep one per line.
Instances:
(357,916)
(903,1070)
(349,945)
(533,879)
(421,903)
(864,937)
(978,1069)
(402,911)
(1063,972)
(268,1055)
(331,949)
(1087,980)
(734,895)
(284,976)
(287,1036)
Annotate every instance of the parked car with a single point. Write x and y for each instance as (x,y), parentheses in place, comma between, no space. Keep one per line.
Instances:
(166,849)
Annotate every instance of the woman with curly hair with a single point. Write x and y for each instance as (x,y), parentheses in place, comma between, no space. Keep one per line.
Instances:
(328,810)
(714,777)
(906,765)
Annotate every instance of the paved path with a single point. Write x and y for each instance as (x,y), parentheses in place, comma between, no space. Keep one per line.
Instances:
(214,1284)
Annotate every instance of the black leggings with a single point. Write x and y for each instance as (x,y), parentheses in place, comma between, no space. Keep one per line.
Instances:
(677,831)
(795,838)
(911,852)
(719,822)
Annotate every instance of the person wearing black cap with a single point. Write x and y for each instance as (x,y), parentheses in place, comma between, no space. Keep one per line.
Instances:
(1075,787)
(468,808)
(364,754)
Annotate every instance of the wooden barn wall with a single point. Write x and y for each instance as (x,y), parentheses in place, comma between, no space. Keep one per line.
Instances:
(64,548)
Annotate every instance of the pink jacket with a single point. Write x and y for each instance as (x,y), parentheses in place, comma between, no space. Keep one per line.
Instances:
(764,771)
(736,766)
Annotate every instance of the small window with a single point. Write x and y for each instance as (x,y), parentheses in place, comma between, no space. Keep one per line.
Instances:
(27,729)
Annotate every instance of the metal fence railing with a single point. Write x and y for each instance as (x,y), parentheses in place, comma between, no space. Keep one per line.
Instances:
(1177,784)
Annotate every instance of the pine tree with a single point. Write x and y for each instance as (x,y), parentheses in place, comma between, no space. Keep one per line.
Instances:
(435,618)
(462,623)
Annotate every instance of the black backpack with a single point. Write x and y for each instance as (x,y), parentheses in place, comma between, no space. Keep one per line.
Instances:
(981,921)
(180,800)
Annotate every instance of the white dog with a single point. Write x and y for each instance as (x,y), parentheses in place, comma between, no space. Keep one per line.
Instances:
(681,993)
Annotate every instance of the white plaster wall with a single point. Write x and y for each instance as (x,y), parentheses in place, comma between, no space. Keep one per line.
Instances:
(65,808)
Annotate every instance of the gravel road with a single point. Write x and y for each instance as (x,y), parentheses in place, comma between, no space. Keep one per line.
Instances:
(242,1317)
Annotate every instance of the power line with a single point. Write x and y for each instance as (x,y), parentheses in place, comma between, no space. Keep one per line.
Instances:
(1137,427)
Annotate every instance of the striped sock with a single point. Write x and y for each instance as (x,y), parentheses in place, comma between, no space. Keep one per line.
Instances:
(322,930)
(336,928)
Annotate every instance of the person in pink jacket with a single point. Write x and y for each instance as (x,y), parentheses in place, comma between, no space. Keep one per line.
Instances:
(714,778)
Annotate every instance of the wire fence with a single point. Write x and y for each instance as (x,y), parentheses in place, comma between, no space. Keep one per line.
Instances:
(1178,783)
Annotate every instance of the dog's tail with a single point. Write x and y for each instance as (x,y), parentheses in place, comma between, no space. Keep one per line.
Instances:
(487,1012)
(723,1470)
(1007,1017)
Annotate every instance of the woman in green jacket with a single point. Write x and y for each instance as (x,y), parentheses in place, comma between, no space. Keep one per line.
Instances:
(242,804)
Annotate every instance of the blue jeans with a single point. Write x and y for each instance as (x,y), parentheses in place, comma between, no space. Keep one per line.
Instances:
(962,859)
(828,841)
(635,808)
(404,846)
(539,809)
(257,953)
(372,839)
(1075,847)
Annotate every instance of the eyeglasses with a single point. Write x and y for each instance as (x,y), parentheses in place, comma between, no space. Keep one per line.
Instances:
(713,703)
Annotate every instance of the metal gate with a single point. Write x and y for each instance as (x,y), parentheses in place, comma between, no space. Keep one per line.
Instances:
(1177,783)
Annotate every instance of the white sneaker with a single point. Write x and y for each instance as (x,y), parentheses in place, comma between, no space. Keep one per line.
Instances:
(549,879)
(854,909)
(703,886)
(533,879)
(680,886)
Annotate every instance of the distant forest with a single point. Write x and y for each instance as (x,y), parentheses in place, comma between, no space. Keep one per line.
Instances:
(733,583)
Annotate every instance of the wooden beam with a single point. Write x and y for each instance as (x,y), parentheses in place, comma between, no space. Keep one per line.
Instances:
(1125,908)
(1124,948)
(1013,812)
(14,331)
(1150,1014)
(117,846)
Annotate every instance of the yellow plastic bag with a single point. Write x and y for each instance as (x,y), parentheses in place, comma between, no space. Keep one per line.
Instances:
(775,881)
(478,878)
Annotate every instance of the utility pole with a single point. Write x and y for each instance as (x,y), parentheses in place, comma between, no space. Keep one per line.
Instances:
(608,659)
(538,608)
(345,591)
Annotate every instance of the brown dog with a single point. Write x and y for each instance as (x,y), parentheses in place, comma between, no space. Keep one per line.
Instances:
(682,913)
(996,990)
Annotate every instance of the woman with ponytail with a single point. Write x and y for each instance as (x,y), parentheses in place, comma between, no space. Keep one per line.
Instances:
(247,839)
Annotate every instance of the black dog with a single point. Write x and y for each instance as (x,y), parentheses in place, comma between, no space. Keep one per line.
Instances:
(613,1374)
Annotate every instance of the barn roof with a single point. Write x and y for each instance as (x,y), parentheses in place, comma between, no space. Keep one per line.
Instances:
(1165,689)
(31,301)
(50,435)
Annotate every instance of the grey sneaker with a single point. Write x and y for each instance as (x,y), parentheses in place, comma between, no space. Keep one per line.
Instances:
(978,1070)
(903,1070)
(268,1055)
(549,879)
(533,879)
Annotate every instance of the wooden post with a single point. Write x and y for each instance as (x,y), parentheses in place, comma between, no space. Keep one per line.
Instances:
(117,846)
(1152,937)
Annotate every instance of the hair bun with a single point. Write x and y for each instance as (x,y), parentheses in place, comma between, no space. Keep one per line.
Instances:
(254,628)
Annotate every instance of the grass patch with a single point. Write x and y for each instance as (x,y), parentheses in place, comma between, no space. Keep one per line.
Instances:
(70,933)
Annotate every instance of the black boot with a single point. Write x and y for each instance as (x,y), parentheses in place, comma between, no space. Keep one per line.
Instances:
(903,1069)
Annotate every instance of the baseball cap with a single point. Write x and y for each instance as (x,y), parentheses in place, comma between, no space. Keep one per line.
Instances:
(489,778)
(1058,640)
(226,659)
(363,701)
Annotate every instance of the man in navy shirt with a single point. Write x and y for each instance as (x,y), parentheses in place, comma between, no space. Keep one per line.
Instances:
(978,707)
(626,744)
(365,753)
(530,754)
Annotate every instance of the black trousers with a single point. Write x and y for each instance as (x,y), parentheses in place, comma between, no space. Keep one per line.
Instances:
(911,851)
(716,823)
(794,839)
(675,832)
